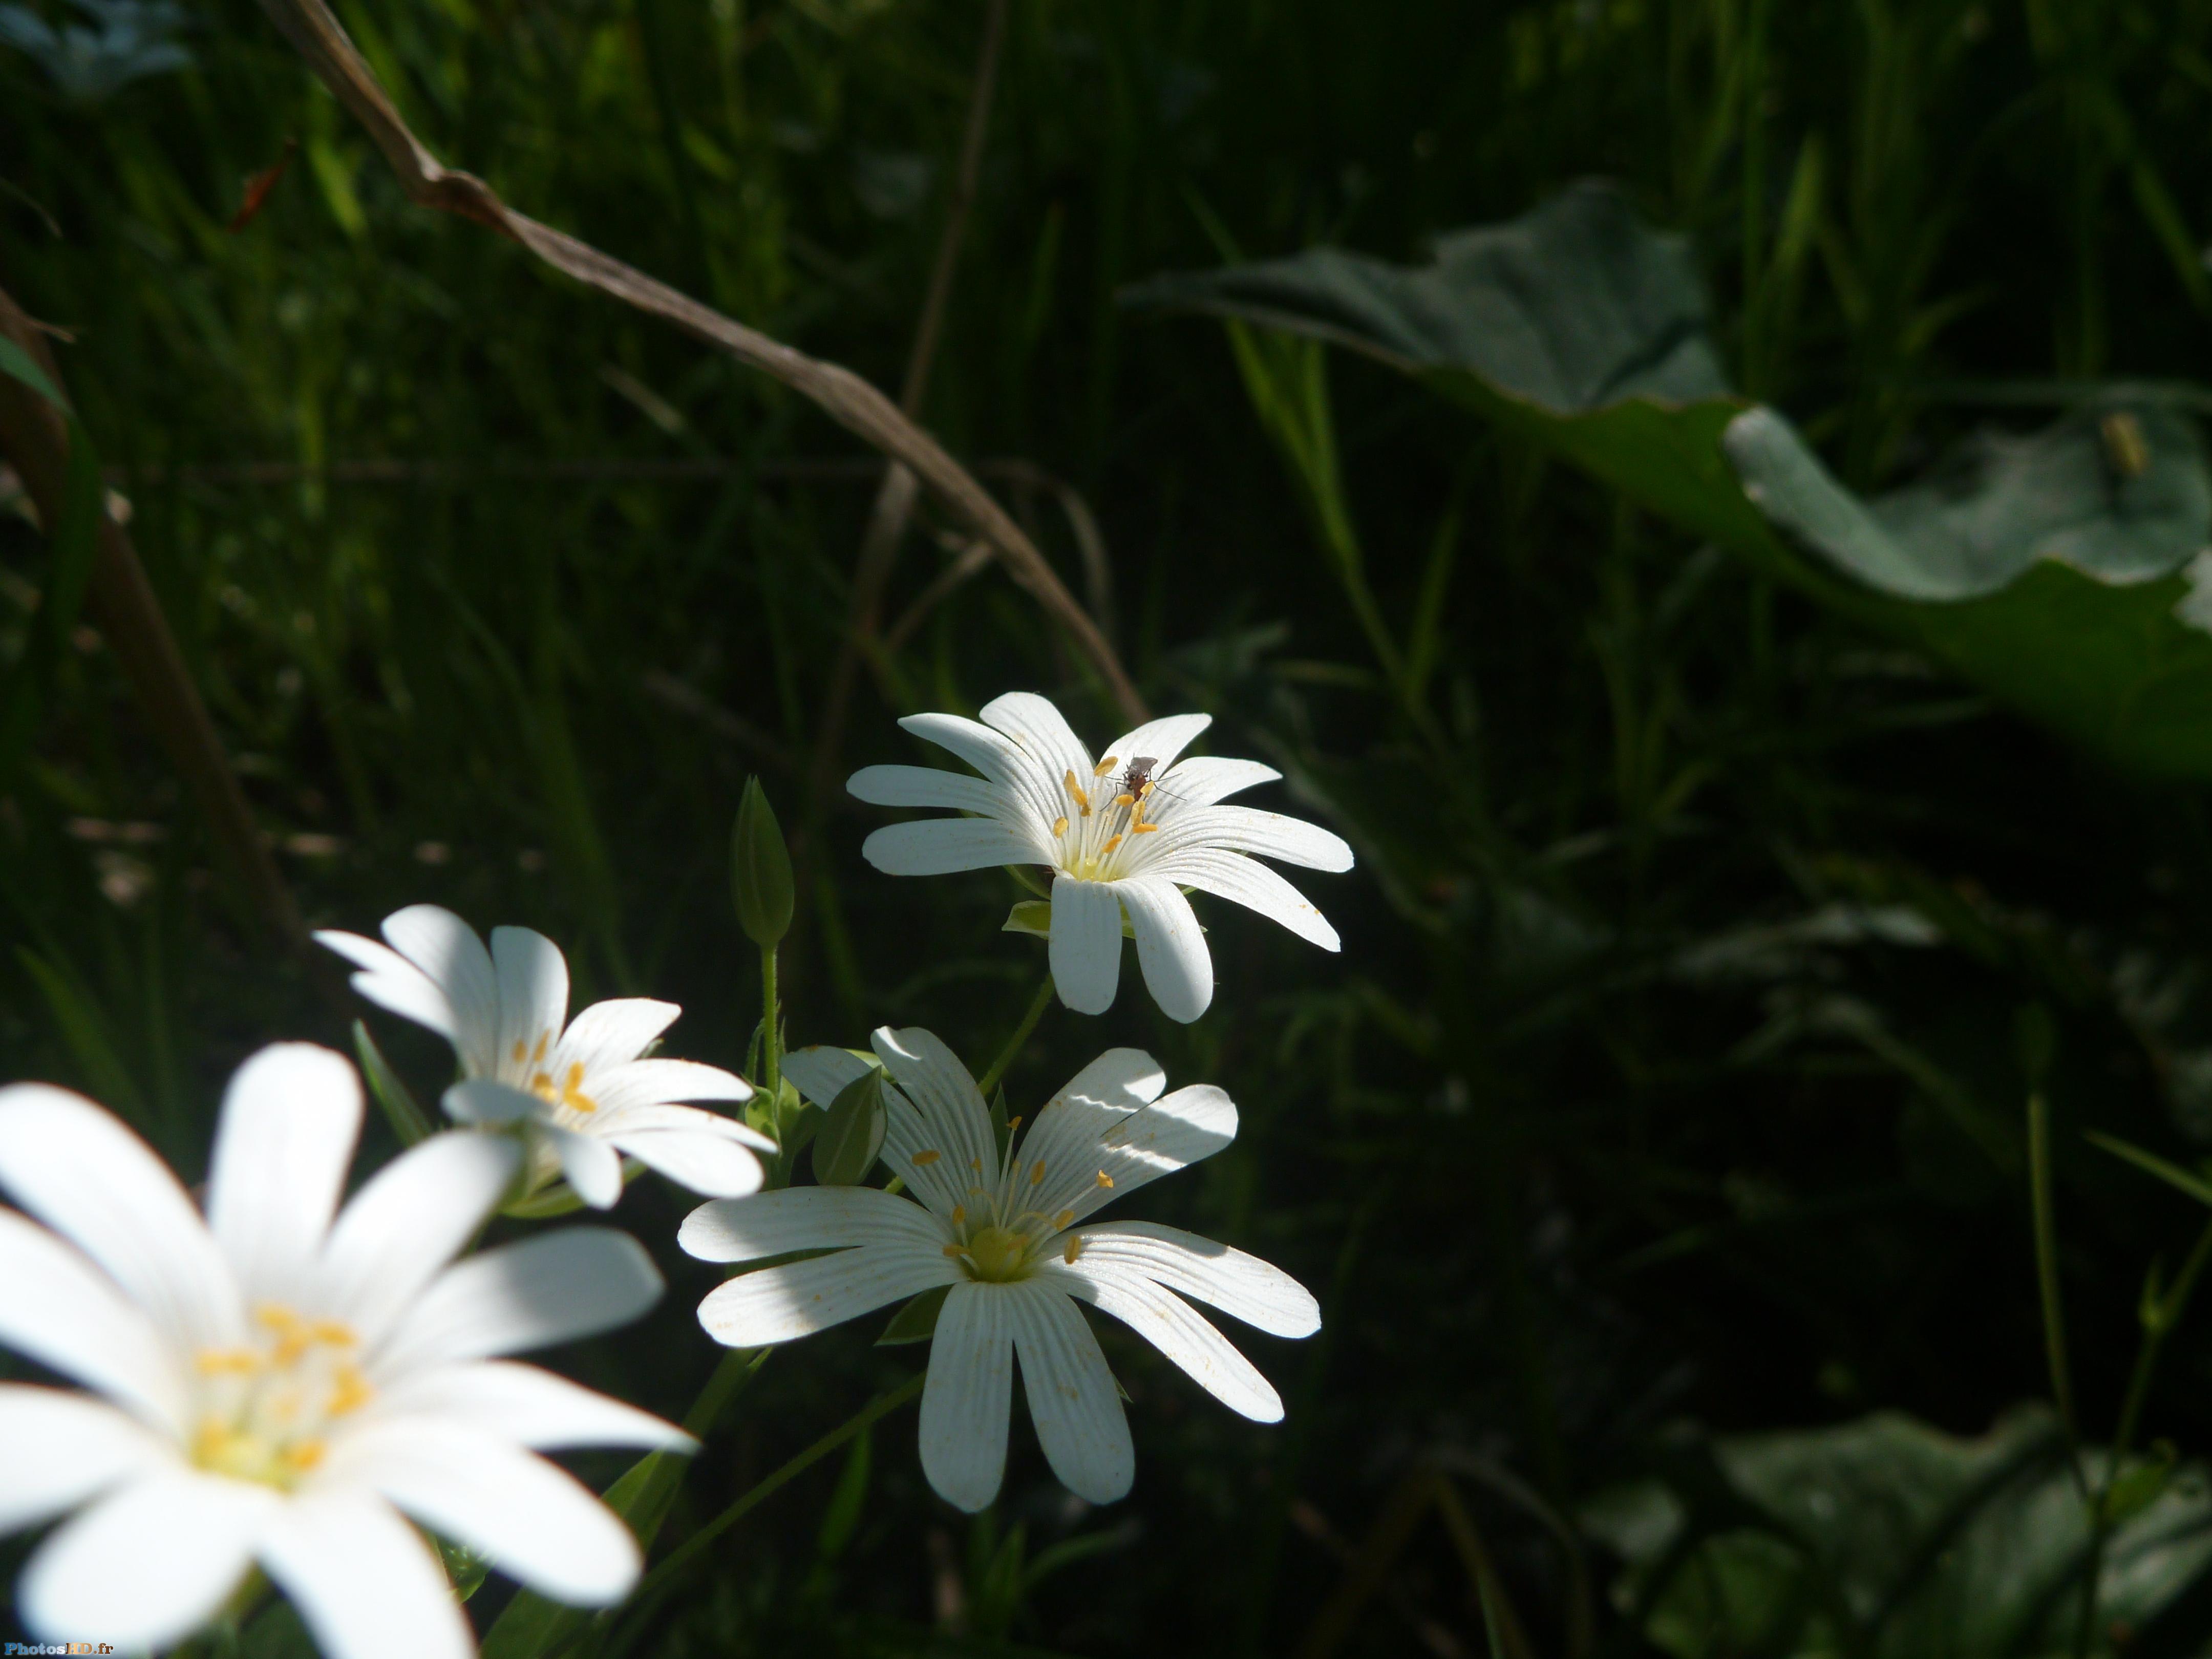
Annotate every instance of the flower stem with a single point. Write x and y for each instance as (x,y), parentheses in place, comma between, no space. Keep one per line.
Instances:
(771,1033)
(989,1080)
(656,1584)
(2046,1263)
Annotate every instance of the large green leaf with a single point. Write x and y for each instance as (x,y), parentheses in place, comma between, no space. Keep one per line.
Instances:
(2058,569)
(1889,1539)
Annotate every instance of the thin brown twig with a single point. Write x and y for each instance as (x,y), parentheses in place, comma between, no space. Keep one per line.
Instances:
(35,439)
(895,497)
(842,395)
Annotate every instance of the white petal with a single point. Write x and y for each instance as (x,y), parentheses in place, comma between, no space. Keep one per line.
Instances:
(1038,728)
(953,1114)
(966,1401)
(61,1311)
(1168,1135)
(1253,885)
(929,786)
(447,950)
(390,981)
(84,1175)
(822,1074)
(944,847)
(1067,1132)
(591,1168)
(1258,1292)
(411,1219)
(917,1155)
(1162,741)
(529,1406)
(1175,1328)
(1170,948)
(691,1120)
(806,1219)
(1085,951)
(1036,792)
(1246,830)
(551,1288)
(608,1033)
(533,1521)
(712,1165)
(58,1449)
(1073,1399)
(533,994)
(781,1304)
(289,1122)
(148,1564)
(1204,779)
(489,1101)
(656,1082)
(366,1584)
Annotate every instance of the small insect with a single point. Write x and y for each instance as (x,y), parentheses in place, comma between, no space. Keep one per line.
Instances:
(1136,776)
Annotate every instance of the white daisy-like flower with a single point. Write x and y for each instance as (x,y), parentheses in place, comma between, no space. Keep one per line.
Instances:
(1123,836)
(1008,1236)
(577,1090)
(285,1380)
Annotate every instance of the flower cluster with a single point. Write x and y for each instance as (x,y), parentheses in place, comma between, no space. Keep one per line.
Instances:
(276,1384)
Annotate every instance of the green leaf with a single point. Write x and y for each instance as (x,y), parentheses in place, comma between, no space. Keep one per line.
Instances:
(407,1119)
(2060,570)
(19,364)
(1889,1539)
(852,1133)
(2151,1164)
(1034,917)
(848,1502)
(917,1320)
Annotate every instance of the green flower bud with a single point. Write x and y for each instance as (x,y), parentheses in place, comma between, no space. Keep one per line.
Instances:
(760,870)
(852,1134)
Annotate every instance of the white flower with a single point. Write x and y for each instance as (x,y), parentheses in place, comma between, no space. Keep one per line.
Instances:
(1119,842)
(581,1095)
(1008,1236)
(284,1380)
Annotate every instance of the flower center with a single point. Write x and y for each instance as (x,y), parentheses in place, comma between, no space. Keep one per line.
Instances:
(1093,843)
(568,1093)
(999,1255)
(267,1408)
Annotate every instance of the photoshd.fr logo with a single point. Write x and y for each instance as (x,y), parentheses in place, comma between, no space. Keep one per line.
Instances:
(14,1648)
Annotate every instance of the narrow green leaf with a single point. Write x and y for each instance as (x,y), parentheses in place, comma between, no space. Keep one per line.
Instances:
(2151,1164)
(852,1134)
(19,364)
(409,1120)
(917,1320)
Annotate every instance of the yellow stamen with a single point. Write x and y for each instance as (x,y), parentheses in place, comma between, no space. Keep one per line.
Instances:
(335,1332)
(956,1251)
(1063,1219)
(304,1456)
(977,1164)
(1082,797)
(351,1394)
(521,1054)
(960,1215)
(1144,828)
(1125,800)
(1012,1124)
(1060,825)
(1103,767)
(217,1362)
(1105,1180)
(1036,1173)
(537,1054)
(922,1160)
(1112,841)
(1074,1249)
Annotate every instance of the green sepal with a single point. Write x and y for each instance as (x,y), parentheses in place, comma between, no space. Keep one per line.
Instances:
(917,1320)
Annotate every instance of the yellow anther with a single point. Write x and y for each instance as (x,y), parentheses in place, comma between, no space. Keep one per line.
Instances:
(537,1054)
(1074,1249)
(521,1054)
(1144,828)
(1082,796)
(220,1362)
(1037,1172)
(1060,825)
(977,1164)
(923,1159)
(1105,1180)
(956,1251)
(302,1455)
(1112,841)
(1125,800)
(1012,1124)
(1063,1219)
(1146,790)
(1103,767)
(351,1394)
(960,1215)
(335,1332)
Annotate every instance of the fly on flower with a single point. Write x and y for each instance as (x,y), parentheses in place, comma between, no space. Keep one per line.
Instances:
(1009,1238)
(285,1380)
(1123,836)
(578,1090)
